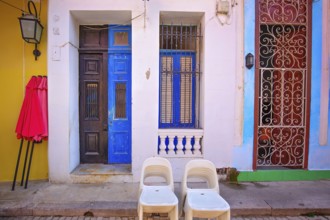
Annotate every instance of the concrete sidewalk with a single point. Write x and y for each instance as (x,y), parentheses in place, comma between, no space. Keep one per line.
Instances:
(110,199)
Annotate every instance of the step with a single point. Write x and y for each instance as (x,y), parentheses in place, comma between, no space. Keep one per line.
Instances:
(102,173)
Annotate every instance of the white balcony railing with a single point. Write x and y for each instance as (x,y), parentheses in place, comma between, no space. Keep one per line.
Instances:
(180,142)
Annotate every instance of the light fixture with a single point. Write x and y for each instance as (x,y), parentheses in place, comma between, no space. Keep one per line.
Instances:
(223,7)
(31,28)
(224,10)
(249,61)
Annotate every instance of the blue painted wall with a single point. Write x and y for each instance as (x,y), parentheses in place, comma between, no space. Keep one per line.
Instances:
(243,155)
(318,157)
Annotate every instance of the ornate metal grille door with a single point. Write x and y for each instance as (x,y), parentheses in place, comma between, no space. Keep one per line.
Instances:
(282,83)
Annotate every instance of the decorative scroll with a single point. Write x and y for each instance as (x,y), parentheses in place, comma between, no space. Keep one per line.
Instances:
(282,96)
(283,46)
(281,146)
(281,99)
(283,11)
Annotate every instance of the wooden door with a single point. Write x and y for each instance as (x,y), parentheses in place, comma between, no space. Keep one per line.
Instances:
(93,94)
(119,108)
(93,107)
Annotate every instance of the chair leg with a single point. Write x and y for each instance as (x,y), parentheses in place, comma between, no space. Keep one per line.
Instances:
(140,213)
(224,216)
(188,214)
(228,214)
(174,214)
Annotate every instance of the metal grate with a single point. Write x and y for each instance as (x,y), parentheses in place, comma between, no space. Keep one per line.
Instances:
(180,76)
(91,100)
(120,111)
(283,83)
(179,37)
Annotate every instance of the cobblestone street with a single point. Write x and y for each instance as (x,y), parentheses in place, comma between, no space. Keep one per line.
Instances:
(302,199)
(136,218)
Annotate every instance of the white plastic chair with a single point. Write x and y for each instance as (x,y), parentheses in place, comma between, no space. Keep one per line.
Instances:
(157,198)
(206,202)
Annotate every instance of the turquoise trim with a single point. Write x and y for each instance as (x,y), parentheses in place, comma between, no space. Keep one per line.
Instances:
(243,155)
(318,155)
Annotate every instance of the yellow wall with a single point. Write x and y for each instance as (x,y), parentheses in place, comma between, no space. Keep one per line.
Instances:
(17,67)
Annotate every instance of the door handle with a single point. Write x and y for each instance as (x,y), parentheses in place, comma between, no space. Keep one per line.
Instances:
(105,127)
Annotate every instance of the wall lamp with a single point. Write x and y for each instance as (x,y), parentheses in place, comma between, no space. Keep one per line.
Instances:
(31,28)
(249,61)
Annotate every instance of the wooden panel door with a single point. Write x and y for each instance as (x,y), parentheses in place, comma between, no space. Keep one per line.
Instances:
(93,107)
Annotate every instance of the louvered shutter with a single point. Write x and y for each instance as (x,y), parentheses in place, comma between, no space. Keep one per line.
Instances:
(186,89)
(166,114)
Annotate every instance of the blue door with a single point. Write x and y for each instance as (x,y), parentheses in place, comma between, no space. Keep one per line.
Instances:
(119,109)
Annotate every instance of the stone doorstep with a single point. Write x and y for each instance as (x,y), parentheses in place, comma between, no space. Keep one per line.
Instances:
(101,178)
(13,208)
(102,173)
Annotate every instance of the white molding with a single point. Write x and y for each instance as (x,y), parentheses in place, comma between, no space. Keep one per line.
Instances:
(239,96)
(324,111)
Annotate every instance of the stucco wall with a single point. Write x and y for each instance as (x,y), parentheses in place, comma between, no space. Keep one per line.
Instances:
(17,67)
(243,153)
(219,80)
(318,155)
(224,125)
